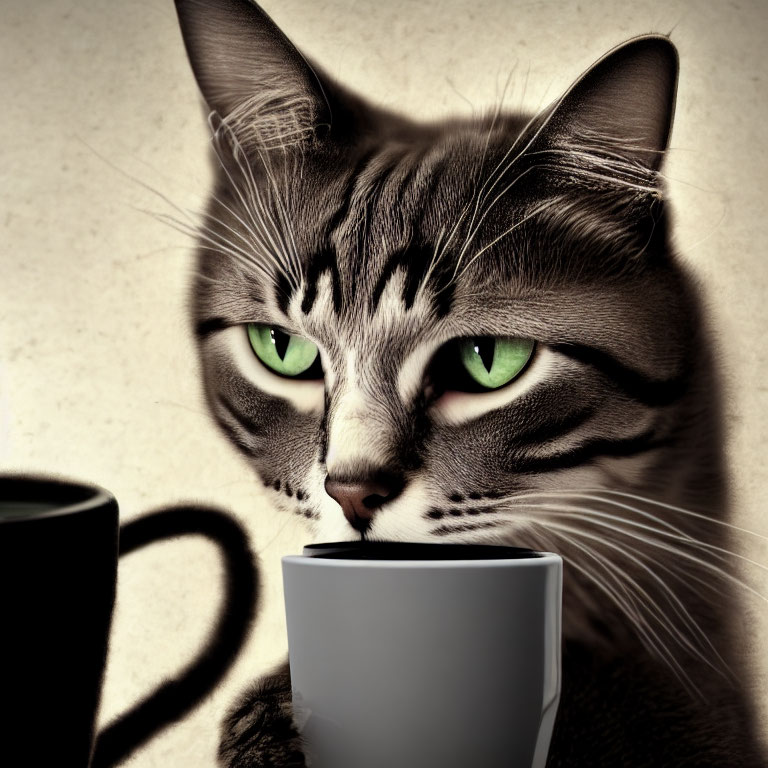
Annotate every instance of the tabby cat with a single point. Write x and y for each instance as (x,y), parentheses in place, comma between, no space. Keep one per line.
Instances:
(475,330)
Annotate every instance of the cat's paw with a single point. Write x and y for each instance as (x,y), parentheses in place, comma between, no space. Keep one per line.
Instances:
(259,732)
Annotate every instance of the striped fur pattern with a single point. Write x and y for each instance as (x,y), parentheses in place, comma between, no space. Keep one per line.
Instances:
(381,240)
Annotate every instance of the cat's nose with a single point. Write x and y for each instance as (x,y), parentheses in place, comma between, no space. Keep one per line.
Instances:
(359,498)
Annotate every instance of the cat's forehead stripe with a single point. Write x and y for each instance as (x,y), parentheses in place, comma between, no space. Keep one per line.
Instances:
(384,214)
(342,211)
(324,262)
(418,264)
(367,190)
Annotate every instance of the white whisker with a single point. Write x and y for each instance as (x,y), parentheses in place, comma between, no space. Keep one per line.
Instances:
(680,510)
(215,243)
(537,210)
(263,227)
(629,607)
(719,552)
(677,605)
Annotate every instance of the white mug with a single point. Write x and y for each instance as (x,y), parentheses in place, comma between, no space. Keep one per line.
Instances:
(424,655)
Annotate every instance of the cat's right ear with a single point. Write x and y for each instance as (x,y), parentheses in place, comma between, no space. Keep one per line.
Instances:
(251,75)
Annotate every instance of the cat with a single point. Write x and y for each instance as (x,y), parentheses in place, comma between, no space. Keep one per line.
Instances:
(476,330)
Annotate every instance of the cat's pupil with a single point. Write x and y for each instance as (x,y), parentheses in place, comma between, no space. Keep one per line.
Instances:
(486,349)
(281,341)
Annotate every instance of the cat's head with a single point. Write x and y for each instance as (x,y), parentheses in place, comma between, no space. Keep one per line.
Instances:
(414,330)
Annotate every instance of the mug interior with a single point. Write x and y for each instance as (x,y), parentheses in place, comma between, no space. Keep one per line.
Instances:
(407,551)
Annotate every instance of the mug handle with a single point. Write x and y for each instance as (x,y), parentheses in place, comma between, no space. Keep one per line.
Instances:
(175,698)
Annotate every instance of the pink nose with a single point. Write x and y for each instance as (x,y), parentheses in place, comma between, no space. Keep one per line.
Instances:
(360,498)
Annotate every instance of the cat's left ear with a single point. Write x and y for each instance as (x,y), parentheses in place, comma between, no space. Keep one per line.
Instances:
(623,106)
(252,76)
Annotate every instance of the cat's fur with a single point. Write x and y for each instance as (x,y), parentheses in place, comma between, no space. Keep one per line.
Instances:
(381,240)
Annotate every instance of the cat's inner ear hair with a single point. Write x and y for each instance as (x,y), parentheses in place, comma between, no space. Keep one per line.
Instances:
(621,109)
(251,75)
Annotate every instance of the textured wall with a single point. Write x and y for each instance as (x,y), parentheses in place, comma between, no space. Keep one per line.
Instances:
(98,380)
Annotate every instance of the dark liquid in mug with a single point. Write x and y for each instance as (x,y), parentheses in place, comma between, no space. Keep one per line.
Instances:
(12,510)
(395,550)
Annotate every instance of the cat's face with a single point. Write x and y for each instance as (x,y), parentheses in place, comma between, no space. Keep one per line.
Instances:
(426,332)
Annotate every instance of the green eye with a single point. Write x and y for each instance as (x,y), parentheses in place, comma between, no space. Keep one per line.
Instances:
(284,353)
(493,362)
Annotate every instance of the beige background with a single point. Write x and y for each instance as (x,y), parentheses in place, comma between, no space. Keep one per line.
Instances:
(97,374)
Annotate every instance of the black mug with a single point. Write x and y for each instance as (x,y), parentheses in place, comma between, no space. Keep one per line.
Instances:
(59,547)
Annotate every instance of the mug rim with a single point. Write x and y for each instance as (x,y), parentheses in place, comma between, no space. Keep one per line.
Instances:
(538,558)
(66,496)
